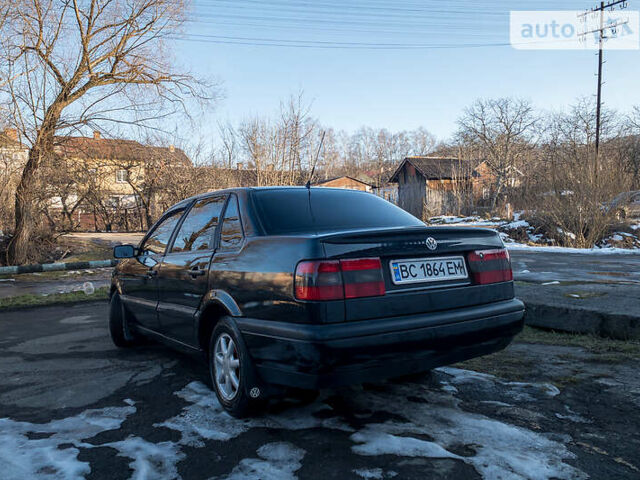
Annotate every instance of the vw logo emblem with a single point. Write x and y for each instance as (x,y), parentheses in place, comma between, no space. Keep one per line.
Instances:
(254,392)
(431,243)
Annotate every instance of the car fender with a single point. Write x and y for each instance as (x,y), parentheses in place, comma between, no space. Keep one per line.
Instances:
(222,298)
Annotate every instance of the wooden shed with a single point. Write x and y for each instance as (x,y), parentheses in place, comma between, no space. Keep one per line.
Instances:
(345,182)
(432,184)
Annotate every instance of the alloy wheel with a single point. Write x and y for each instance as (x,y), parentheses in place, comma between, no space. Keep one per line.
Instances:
(226,367)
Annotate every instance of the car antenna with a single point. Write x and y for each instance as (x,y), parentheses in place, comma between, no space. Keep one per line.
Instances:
(315,162)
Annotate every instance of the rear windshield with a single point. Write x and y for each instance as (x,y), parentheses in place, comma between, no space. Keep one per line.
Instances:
(324,210)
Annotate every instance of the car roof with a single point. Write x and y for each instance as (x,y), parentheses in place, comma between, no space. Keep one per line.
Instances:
(187,201)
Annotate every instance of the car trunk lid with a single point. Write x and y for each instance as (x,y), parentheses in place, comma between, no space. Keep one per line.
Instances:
(436,245)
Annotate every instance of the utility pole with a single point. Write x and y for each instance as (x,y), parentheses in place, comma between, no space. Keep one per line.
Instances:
(601,38)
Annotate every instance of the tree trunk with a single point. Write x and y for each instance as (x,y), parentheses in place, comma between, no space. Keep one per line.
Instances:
(25,214)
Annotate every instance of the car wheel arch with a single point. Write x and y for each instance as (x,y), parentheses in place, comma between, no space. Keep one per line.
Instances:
(208,317)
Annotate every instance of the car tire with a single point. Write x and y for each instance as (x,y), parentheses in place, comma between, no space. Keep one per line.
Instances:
(231,371)
(121,334)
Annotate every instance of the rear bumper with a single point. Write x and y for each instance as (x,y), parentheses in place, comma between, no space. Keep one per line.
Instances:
(317,356)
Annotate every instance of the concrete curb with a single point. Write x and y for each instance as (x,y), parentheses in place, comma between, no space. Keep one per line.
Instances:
(582,320)
(56,267)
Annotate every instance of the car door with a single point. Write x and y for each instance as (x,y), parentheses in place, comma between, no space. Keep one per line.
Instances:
(229,271)
(184,272)
(139,276)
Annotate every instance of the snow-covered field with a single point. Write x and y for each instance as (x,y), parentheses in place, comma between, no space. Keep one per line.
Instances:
(409,421)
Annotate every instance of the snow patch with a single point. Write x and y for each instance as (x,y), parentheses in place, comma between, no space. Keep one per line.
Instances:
(278,461)
(518,390)
(501,450)
(375,442)
(369,473)
(150,460)
(55,455)
(205,419)
(588,251)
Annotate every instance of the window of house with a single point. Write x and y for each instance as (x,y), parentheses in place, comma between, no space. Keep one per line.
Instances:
(232,234)
(157,241)
(122,176)
(196,231)
(485,193)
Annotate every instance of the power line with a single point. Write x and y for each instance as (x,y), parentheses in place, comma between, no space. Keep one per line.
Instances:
(273,42)
(330,45)
(601,38)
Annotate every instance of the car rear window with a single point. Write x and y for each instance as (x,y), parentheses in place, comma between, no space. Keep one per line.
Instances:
(323,210)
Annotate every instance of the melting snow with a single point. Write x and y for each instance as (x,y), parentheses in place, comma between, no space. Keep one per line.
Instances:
(54,456)
(502,450)
(433,427)
(278,461)
(150,460)
(369,473)
(205,419)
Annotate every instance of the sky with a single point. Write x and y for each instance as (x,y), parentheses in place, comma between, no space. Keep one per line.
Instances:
(395,65)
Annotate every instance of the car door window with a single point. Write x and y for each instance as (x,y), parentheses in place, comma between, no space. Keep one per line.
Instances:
(157,240)
(232,234)
(196,231)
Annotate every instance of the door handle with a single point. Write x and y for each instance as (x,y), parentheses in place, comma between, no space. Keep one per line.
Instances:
(196,272)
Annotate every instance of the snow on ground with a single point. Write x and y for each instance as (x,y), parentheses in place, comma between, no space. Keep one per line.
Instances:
(588,251)
(374,473)
(426,421)
(55,455)
(205,419)
(278,461)
(149,460)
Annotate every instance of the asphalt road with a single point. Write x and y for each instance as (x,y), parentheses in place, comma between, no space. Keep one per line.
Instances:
(543,266)
(73,406)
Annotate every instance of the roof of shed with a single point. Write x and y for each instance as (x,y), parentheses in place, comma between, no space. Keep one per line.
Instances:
(436,168)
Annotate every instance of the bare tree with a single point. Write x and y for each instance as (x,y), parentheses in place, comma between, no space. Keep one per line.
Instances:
(422,142)
(75,63)
(229,143)
(504,131)
(571,197)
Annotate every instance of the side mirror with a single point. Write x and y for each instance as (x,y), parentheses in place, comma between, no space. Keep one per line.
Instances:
(124,251)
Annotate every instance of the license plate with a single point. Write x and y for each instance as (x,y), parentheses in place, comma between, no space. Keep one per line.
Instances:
(419,270)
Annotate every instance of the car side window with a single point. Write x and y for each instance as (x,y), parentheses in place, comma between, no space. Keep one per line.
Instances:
(196,231)
(232,234)
(157,241)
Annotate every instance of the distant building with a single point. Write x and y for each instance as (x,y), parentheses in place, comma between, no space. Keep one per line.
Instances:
(346,182)
(13,157)
(12,152)
(117,169)
(387,191)
(437,185)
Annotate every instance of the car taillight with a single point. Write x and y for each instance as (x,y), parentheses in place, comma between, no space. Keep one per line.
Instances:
(339,279)
(362,277)
(490,266)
